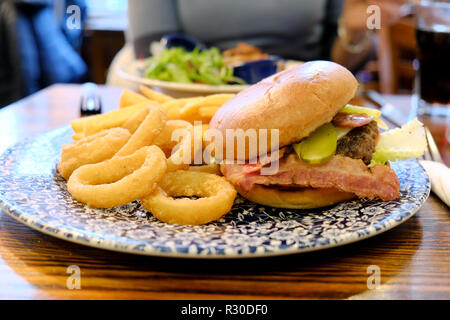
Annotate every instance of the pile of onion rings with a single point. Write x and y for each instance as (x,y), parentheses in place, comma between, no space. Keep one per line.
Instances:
(136,153)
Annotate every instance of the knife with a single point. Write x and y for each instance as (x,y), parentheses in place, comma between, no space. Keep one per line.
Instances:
(388,111)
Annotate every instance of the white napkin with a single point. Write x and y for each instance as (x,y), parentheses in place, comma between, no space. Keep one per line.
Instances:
(440,179)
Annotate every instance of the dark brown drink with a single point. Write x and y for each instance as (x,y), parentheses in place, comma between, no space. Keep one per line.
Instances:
(434,65)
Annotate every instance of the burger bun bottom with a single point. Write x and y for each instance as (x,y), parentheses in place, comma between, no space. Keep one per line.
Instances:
(301,198)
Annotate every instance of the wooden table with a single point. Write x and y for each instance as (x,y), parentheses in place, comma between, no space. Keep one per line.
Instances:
(413,258)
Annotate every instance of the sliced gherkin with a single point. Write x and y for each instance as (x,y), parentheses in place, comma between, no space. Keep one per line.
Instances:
(357,109)
(342,131)
(319,147)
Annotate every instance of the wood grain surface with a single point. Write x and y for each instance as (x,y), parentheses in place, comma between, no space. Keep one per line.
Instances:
(413,258)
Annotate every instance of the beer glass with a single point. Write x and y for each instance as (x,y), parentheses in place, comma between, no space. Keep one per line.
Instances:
(433,53)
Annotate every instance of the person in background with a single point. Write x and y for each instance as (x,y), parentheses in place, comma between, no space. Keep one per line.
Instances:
(37,49)
(355,43)
(294,29)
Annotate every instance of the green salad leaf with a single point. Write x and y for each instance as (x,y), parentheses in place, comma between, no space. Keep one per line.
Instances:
(198,66)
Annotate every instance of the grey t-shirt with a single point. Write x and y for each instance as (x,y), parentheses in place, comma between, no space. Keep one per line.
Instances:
(295,29)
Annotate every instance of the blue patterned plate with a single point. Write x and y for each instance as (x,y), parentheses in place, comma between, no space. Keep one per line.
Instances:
(32,192)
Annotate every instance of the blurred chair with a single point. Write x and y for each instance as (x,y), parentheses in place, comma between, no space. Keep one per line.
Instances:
(10,73)
(393,71)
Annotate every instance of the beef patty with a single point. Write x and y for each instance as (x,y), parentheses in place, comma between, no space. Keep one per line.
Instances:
(359,143)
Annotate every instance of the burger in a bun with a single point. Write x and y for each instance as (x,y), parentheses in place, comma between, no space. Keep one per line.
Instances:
(326,152)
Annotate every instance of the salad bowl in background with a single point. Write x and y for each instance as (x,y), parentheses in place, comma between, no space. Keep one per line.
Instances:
(133,72)
(233,78)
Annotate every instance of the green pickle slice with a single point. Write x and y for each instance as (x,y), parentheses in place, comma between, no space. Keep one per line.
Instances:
(342,131)
(357,109)
(319,147)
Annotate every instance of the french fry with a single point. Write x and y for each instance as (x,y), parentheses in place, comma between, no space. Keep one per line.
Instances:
(178,103)
(129,98)
(207,112)
(78,136)
(174,114)
(94,124)
(154,95)
(191,108)
(78,124)
(218,99)
(215,100)
(173,107)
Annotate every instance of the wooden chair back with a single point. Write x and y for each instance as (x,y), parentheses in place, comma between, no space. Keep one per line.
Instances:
(396,52)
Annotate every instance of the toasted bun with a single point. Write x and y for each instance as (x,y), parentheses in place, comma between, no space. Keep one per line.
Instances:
(305,198)
(295,101)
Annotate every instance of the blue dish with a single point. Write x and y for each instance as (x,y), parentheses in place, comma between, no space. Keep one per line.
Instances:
(181,40)
(251,72)
(33,192)
(254,71)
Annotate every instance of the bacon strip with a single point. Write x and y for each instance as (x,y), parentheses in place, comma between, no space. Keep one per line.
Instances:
(343,173)
(351,120)
(262,161)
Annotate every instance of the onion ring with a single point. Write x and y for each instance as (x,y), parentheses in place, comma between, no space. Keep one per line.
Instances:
(135,120)
(164,140)
(217,198)
(91,149)
(148,130)
(119,180)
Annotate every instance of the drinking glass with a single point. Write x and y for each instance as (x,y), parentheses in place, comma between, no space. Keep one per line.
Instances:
(433,52)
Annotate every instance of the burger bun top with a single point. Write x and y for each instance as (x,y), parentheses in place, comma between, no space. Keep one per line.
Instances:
(295,101)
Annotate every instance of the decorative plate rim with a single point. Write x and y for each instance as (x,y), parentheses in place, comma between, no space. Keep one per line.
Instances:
(352,238)
(75,235)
